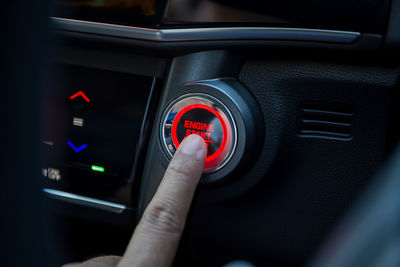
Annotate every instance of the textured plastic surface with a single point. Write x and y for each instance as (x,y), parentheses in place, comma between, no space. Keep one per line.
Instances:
(279,212)
(299,187)
(392,39)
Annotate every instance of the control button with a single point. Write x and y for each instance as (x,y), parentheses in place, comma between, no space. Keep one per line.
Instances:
(81,94)
(205,116)
(77,121)
(204,121)
(77,149)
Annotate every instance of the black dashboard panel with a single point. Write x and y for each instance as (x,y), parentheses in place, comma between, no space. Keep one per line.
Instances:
(280,210)
(322,80)
(324,104)
(355,15)
(125,12)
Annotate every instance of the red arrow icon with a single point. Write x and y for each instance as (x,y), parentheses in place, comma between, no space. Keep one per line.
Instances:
(80,93)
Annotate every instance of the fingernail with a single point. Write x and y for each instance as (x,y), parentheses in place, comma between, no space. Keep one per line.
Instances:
(193,145)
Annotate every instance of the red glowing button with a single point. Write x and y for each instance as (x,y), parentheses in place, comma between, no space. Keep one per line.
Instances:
(206,122)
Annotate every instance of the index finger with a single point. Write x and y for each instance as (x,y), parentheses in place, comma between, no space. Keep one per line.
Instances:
(157,235)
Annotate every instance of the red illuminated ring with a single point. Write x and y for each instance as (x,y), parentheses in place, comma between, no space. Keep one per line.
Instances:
(215,113)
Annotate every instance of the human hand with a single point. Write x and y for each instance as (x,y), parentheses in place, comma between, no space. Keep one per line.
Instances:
(156,237)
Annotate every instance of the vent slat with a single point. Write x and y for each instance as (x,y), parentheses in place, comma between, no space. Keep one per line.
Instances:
(307,132)
(327,107)
(330,113)
(325,121)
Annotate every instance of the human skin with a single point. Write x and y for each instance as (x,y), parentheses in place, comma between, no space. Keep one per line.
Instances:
(156,237)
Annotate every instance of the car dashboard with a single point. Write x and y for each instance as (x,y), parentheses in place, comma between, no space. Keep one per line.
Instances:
(296,99)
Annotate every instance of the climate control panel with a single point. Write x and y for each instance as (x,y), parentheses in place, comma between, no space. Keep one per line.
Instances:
(92,125)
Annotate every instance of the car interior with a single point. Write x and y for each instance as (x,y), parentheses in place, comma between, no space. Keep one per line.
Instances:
(297,101)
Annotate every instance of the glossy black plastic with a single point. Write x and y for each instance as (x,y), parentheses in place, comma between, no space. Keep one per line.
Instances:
(355,15)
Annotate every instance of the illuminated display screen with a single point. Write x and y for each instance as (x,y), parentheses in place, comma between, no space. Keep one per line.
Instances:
(127,12)
(91,126)
(356,15)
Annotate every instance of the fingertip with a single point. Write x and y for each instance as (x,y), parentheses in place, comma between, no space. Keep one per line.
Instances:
(194,145)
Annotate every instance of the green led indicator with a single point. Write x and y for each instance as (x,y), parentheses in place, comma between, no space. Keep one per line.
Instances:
(97,168)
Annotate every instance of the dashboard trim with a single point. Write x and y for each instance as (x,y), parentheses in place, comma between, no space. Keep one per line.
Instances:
(85,201)
(206,34)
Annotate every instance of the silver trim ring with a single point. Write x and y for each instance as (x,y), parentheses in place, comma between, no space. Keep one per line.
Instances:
(197,98)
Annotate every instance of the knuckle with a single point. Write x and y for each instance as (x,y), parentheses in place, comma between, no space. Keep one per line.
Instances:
(162,217)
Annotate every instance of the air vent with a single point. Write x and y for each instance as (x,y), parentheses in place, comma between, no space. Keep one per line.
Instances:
(330,121)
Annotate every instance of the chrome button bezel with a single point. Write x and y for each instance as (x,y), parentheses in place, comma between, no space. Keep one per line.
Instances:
(197,98)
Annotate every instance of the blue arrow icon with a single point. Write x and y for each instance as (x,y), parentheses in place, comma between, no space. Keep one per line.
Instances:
(77,149)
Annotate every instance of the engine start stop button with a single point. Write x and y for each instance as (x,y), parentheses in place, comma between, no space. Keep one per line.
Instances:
(205,116)
(204,121)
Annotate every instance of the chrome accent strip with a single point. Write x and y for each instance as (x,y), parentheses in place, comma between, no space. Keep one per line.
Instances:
(85,201)
(206,34)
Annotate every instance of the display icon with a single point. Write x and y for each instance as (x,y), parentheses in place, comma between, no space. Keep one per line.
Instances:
(49,143)
(77,122)
(97,168)
(52,173)
(77,149)
(82,94)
